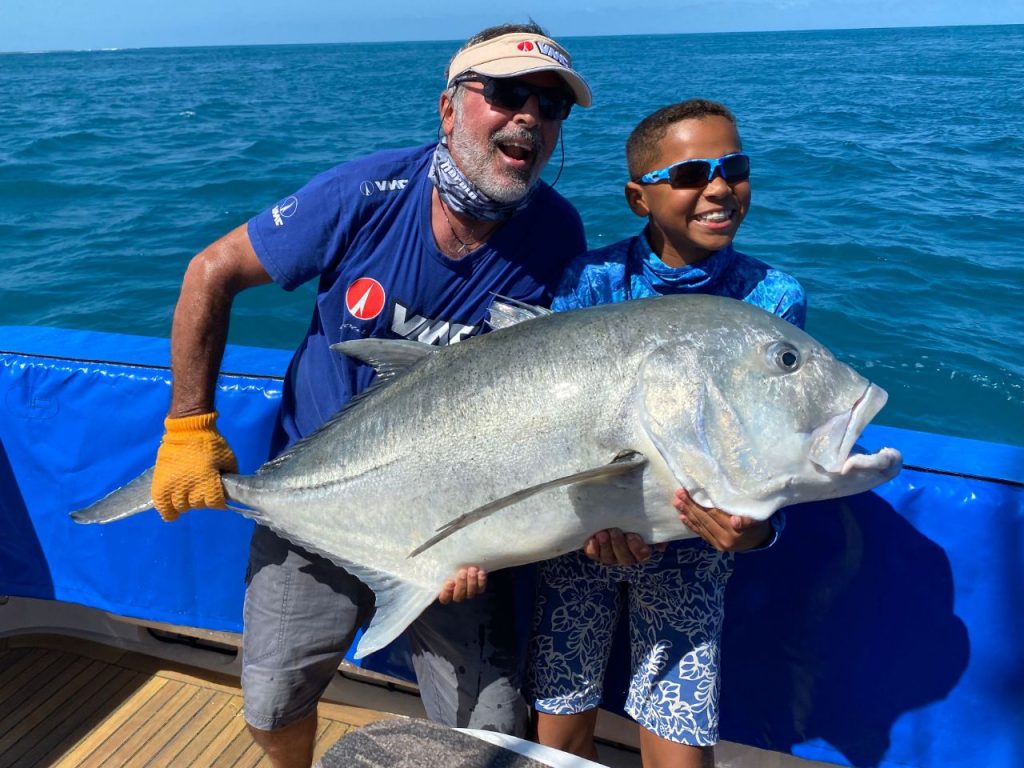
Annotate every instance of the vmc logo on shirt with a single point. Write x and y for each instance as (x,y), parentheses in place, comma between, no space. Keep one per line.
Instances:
(284,210)
(365,298)
(367,188)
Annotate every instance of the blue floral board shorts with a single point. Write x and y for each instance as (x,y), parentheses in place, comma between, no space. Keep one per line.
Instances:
(675,603)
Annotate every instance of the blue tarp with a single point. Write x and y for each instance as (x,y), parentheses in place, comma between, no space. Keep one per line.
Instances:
(885,629)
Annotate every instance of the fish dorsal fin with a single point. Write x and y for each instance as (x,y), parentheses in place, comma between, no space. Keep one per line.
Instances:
(627,461)
(505,312)
(390,358)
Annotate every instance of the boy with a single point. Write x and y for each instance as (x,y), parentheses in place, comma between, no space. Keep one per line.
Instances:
(690,179)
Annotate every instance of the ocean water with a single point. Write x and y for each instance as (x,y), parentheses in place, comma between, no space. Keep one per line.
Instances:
(887,176)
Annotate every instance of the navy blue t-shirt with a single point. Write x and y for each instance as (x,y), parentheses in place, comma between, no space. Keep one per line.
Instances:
(363,229)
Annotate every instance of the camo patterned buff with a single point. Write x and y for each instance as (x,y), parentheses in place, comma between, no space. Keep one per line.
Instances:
(462,195)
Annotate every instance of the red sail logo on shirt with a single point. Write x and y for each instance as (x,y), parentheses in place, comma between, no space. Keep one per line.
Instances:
(365,298)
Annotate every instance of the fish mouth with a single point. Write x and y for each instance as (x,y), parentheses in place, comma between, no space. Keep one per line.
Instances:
(833,444)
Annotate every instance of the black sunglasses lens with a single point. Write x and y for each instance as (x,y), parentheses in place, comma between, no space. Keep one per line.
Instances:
(506,94)
(736,168)
(696,172)
(689,175)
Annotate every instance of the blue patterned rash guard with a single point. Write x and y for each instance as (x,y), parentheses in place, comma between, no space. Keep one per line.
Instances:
(363,230)
(629,270)
(675,600)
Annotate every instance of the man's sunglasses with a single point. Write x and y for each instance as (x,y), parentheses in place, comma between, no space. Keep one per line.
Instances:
(699,172)
(509,93)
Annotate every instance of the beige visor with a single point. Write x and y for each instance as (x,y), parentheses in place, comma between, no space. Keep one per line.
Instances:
(520,53)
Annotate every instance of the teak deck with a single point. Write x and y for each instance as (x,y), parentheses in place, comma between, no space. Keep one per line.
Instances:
(67,703)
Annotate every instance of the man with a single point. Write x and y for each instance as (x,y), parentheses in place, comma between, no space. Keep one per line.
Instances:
(409,243)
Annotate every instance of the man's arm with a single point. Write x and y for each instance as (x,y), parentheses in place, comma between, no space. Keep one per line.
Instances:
(200,329)
(193,453)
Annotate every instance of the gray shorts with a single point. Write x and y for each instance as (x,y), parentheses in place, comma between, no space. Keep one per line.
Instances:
(301,615)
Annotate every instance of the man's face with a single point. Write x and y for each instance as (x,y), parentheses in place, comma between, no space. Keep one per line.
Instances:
(502,151)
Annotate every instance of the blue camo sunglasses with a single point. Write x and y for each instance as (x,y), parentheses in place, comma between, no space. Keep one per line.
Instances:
(510,93)
(699,172)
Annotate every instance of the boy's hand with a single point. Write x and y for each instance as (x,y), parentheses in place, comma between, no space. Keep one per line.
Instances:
(724,532)
(613,547)
(188,465)
(468,583)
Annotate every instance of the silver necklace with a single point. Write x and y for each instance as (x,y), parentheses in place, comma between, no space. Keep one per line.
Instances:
(464,247)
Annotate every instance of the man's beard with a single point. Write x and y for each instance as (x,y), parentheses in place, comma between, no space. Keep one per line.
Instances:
(478,163)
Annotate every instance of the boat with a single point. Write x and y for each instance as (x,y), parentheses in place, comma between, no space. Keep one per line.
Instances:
(881,630)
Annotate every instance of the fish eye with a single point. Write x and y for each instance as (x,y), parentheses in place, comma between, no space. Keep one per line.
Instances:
(785,356)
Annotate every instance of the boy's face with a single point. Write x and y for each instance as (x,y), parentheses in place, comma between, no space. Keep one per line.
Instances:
(687,225)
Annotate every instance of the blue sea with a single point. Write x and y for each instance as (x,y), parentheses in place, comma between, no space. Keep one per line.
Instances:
(887,176)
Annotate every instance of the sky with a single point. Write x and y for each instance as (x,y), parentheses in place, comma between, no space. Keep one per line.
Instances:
(46,25)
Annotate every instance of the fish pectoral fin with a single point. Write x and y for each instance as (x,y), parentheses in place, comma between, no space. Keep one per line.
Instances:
(623,463)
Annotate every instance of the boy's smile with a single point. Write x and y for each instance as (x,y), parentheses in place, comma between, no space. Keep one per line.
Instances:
(688,225)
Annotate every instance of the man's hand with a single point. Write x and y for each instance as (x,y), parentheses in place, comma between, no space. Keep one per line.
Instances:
(724,532)
(613,547)
(188,466)
(468,583)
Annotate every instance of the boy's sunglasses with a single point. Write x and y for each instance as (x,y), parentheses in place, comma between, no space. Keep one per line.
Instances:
(699,172)
(509,93)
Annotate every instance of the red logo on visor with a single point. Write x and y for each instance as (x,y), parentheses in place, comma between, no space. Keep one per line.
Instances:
(365,298)
(526,45)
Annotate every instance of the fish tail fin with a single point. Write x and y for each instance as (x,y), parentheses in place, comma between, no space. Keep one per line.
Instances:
(398,603)
(126,501)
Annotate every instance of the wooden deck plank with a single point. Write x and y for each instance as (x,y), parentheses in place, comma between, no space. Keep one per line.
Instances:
(151,730)
(235,748)
(38,714)
(192,699)
(90,751)
(251,757)
(73,704)
(79,715)
(194,722)
(11,656)
(226,709)
(18,680)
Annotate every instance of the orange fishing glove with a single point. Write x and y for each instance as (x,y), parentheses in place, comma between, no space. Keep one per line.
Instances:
(188,466)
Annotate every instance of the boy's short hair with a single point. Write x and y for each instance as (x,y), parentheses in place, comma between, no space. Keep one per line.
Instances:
(642,144)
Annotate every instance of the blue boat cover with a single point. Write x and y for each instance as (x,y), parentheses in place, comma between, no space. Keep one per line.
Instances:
(884,629)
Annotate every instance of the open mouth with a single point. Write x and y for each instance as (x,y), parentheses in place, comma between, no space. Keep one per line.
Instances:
(519,146)
(518,153)
(833,442)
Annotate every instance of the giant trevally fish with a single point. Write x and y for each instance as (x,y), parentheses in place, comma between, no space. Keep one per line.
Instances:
(517,445)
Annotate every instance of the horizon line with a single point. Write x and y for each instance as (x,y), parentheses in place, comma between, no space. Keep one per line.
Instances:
(115,49)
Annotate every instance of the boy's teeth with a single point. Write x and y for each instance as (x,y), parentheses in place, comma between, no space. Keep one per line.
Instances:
(715,216)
